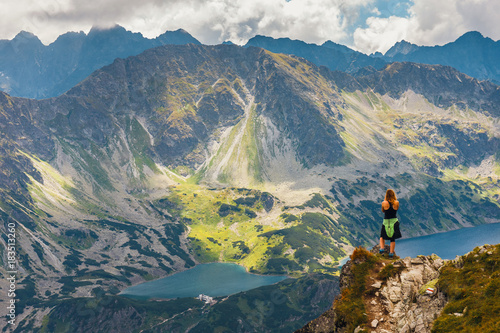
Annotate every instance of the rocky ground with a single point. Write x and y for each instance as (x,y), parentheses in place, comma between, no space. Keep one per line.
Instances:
(401,303)
(395,303)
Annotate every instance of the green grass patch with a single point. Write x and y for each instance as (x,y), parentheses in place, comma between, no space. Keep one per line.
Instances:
(349,307)
(473,291)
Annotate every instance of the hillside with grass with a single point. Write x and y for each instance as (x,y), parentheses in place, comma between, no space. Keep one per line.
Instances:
(195,154)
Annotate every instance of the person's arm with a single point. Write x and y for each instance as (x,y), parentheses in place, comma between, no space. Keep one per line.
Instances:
(396,205)
(385,206)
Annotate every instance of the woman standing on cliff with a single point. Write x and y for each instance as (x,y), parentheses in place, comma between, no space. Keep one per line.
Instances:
(390,228)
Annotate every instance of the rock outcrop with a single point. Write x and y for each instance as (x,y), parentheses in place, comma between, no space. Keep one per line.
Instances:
(405,301)
(402,303)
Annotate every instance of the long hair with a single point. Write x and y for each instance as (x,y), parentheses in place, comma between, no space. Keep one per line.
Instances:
(390,196)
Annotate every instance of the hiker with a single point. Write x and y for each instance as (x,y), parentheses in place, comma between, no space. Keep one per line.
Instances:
(390,228)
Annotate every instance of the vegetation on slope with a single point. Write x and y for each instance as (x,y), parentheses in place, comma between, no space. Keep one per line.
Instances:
(254,229)
(348,310)
(473,287)
(350,307)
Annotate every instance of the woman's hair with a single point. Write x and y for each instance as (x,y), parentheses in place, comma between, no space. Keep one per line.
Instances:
(390,196)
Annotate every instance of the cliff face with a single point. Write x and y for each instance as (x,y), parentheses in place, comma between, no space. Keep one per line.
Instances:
(423,294)
(401,303)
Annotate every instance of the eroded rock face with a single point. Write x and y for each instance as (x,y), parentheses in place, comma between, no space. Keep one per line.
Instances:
(402,303)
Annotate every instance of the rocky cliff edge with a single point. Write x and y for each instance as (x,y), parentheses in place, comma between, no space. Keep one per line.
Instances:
(408,295)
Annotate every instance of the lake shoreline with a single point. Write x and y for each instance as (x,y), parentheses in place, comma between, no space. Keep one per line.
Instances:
(213,279)
(407,247)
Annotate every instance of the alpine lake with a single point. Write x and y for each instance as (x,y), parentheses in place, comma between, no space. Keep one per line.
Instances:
(222,279)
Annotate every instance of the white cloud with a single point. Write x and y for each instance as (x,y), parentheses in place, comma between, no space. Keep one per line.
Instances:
(430,22)
(423,22)
(211,21)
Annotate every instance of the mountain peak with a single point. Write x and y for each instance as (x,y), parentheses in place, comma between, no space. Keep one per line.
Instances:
(26,36)
(335,46)
(282,40)
(257,37)
(472,37)
(99,28)
(179,36)
(402,47)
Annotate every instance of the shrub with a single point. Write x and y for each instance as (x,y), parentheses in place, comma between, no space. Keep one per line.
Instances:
(350,307)
(389,271)
(473,290)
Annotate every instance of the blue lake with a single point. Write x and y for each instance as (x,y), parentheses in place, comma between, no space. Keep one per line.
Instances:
(215,279)
(448,245)
(222,279)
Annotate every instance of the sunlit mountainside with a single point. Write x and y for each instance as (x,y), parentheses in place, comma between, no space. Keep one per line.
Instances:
(192,154)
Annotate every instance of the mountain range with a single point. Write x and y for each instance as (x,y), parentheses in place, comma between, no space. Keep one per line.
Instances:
(472,54)
(31,69)
(186,154)
(329,54)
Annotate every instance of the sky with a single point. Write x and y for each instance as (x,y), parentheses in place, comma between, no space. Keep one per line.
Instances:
(364,25)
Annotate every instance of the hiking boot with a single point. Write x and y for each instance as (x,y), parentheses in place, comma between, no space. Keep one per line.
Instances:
(381,251)
(391,255)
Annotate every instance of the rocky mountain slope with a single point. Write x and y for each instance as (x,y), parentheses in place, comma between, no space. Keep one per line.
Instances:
(191,154)
(423,294)
(31,69)
(472,54)
(329,54)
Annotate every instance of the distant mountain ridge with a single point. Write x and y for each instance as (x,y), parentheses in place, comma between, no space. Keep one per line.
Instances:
(31,69)
(472,54)
(331,55)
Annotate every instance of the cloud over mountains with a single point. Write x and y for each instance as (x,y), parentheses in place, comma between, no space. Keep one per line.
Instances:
(366,25)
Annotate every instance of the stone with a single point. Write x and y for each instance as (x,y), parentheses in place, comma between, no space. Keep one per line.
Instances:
(417,261)
(420,320)
(438,263)
(394,298)
(399,304)
(407,261)
(402,322)
(399,263)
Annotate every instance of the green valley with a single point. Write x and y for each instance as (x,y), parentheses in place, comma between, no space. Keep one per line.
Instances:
(195,154)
